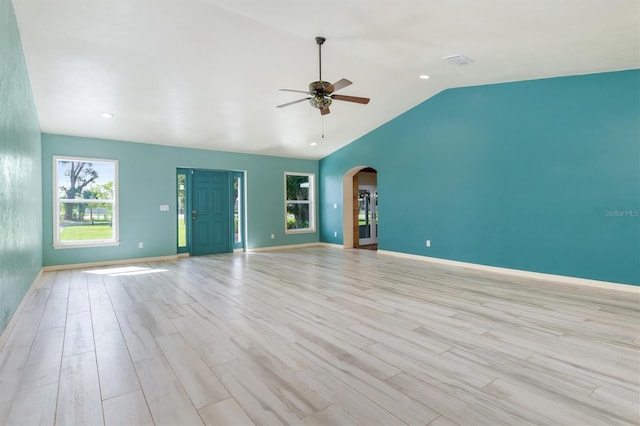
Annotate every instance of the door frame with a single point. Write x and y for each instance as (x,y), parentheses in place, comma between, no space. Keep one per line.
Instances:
(350,206)
(235,246)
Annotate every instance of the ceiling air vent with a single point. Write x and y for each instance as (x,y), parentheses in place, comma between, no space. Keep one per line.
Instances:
(458,59)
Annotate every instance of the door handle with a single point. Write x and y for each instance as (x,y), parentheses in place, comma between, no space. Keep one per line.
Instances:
(193,214)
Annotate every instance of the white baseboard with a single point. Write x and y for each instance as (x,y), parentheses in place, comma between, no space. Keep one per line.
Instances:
(4,335)
(332,245)
(109,263)
(287,247)
(520,273)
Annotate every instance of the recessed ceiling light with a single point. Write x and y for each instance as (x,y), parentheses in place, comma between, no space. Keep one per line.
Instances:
(424,76)
(106,115)
(313,143)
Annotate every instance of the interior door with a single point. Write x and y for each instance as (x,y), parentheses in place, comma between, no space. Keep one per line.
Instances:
(210,214)
(367,214)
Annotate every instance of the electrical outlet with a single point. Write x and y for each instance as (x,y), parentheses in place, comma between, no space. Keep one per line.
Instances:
(140,244)
(335,233)
(428,243)
(273,236)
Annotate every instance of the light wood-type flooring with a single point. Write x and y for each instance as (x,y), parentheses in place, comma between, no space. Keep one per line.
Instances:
(318,336)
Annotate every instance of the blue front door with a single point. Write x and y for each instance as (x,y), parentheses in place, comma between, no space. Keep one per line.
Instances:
(210,215)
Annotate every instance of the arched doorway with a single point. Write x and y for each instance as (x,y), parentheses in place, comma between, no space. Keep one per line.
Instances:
(359,216)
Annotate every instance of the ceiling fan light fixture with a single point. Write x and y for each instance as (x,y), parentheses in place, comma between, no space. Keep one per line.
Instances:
(320,101)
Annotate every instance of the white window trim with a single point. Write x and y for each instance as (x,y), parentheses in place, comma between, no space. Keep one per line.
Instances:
(56,206)
(312,204)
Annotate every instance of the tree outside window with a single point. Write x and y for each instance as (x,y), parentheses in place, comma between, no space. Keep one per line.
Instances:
(85,197)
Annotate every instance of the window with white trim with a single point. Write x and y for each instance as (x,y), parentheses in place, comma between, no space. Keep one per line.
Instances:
(85,202)
(299,202)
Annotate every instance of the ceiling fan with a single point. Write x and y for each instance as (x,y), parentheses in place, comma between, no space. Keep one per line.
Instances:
(321,93)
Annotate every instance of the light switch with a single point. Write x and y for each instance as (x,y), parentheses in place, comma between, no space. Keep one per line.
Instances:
(164,207)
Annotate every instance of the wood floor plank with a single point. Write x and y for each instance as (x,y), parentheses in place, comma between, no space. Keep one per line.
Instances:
(318,336)
(140,342)
(103,315)
(202,386)
(355,375)
(311,323)
(127,410)
(55,312)
(225,412)
(78,337)
(346,399)
(443,421)
(158,323)
(117,375)
(79,401)
(401,338)
(27,324)
(5,407)
(167,399)
(350,354)
(527,401)
(120,300)
(438,367)
(45,358)
(463,408)
(257,400)
(12,362)
(78,293)
(628,406)
(273,368)
(332,415)
(34,406)
(211,346)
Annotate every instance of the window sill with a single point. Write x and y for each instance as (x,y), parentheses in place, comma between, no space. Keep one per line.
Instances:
(86,245)
(300,231)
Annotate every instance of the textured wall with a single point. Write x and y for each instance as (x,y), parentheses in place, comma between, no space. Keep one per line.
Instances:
(20,172)
(147,179)
(539,175)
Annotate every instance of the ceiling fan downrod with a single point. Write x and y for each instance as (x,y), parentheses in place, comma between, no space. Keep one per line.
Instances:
(320,41)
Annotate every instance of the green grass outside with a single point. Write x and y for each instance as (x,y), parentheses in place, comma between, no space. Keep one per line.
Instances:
(182,234)
(86,232)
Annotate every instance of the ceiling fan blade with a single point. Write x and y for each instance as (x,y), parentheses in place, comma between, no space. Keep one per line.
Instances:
(297,91)
(292,102)
(355,99)
(340,84)
(324,111)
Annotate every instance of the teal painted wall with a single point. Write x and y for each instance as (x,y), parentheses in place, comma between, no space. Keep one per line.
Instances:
(20,175)
(147,180)
(539,175)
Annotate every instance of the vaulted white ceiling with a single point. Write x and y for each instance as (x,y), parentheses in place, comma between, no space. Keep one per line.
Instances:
(206,73)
